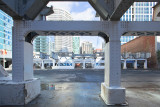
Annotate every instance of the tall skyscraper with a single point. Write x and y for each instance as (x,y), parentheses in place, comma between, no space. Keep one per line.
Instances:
(76,45)
(139,11)
(62,43)
(6,24)
(51,46)
(43,44)
(59,15)
(87,48)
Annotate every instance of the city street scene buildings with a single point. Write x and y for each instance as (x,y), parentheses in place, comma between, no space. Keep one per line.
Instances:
(6,24)
(139,11)
(94,53)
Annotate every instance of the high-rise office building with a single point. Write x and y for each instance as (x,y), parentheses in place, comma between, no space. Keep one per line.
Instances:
(43,44)
(59,15)
(87,47)
(51,46)
(6,24)
(76,45)
(62,43)
(139,11)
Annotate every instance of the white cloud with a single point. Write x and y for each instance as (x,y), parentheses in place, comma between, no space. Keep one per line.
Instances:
(88,14)
(76,4)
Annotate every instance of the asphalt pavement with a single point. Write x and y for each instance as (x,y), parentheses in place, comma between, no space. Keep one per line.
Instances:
(81,88)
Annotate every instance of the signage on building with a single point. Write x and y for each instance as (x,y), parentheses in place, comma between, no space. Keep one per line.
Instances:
(3,52)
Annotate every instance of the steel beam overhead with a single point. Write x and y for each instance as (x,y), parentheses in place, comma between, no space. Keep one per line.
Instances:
(23,9)
(29,9)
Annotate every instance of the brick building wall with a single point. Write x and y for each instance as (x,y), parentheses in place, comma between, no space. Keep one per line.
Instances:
(142,44)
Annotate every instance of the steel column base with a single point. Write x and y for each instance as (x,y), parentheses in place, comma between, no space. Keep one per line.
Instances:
(113,95)
(19,93)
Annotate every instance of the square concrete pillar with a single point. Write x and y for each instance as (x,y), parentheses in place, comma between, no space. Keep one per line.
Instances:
(113,95)
(22,54)
(24,87)
(22,60)
(135,64)
(42,64)
(125,64)
(84,65)
(111,91)
(19,93)
(145,64)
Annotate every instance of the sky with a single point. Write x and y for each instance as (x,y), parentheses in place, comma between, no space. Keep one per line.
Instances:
(81,11)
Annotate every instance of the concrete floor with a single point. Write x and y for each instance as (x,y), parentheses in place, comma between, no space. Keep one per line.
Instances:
(81,88)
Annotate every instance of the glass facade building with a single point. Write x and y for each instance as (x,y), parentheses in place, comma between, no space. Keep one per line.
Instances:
(139,11)
(43,44)
(62,43)
(87,47)
(6,24)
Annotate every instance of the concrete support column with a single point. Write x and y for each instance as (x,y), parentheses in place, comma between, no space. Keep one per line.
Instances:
(73,64)
(83,64)
(22,60)
(24,87)
(125,64)
(111,91)
(42,64)
(135,64)
(145,64)
(53,64)
(94,64)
